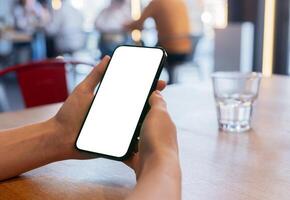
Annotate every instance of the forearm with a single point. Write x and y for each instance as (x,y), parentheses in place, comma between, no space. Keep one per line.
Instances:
(146,13)
(26,148)
(159,179)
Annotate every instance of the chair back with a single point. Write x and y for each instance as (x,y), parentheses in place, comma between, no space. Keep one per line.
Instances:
(41,82)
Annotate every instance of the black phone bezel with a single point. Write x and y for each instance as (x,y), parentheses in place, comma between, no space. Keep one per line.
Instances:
(144,112)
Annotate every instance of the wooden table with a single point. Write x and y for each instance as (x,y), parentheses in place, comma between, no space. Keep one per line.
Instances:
(253,165)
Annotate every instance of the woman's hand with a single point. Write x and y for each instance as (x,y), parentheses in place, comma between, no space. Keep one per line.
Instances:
(69,118)
(158,140)
(72,114)
(157,164)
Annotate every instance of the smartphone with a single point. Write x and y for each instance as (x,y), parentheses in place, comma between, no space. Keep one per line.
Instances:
(113,122)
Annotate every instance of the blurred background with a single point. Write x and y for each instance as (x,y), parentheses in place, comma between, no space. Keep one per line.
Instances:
(200,36)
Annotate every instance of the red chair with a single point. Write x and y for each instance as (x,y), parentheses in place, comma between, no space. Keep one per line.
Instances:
(42,82)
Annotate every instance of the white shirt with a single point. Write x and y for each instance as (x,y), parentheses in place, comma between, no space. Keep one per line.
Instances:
(113,18)
(28,19)
(67,28)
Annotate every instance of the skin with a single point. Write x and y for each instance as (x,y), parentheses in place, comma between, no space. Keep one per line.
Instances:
(172,24)
(156,164)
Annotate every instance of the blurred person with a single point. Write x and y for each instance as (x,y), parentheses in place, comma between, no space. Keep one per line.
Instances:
(110,23)
(156,164)
(29,15)
(173,27)
(66,29)
(29,18)
(5,13)
(195,10)
(113,17)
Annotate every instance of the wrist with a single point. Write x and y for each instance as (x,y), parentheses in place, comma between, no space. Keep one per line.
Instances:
(56,142)
(166,163)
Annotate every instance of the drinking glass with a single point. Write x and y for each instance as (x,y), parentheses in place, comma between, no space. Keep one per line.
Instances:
(234,94)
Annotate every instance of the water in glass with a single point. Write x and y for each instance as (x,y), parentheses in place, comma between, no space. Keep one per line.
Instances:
(234,111)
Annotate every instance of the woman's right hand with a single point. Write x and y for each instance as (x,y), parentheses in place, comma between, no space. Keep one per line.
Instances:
(157,164)
(158,140)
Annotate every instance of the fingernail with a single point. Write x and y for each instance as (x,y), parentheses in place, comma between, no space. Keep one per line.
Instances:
(106,57)
(158,92)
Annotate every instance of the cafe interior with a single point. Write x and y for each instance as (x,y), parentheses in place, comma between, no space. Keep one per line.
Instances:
(228,89)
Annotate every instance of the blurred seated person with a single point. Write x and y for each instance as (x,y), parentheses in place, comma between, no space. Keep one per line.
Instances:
(66,29)
(110,23)
(29,18)
(172,24)
(29,15)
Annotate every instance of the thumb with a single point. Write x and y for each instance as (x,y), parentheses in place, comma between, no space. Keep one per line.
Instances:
(92,80)
(156,100)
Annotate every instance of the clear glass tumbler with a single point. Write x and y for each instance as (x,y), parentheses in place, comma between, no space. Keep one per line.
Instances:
(235,93)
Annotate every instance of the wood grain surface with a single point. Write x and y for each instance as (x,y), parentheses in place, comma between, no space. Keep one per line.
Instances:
(215,165)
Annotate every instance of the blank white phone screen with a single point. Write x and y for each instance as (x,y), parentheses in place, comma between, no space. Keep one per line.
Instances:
(117,107)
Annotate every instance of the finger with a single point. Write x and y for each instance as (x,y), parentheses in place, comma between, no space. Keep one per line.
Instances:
(161,85)
(156,100)
(97,73)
